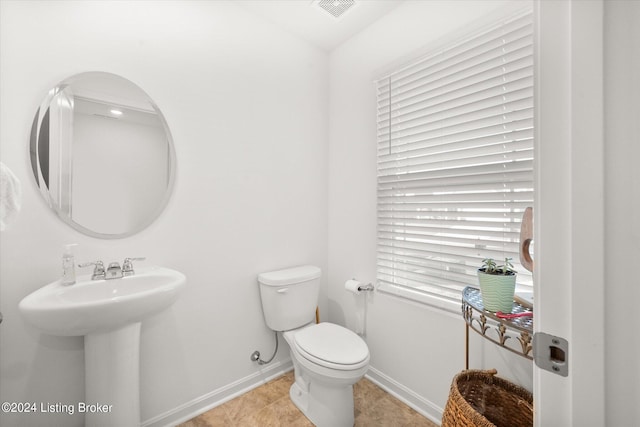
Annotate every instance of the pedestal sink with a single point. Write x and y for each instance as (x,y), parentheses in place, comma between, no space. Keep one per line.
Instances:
(109,314)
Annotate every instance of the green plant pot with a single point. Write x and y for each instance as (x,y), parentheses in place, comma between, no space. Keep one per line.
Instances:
(497,291)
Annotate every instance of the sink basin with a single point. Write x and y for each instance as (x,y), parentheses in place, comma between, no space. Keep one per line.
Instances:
(90,306)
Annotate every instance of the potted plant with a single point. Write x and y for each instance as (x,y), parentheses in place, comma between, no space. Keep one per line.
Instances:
(497,285)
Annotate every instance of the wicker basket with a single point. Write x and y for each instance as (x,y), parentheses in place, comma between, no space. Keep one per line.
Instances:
(481,399)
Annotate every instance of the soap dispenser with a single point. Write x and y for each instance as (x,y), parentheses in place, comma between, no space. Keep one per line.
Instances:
(68,265)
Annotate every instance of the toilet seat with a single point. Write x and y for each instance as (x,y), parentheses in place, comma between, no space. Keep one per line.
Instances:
(332,346)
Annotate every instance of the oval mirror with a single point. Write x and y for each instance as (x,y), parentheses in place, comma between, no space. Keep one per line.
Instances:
(102,155)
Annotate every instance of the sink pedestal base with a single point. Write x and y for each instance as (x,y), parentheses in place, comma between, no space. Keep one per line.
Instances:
(112,378)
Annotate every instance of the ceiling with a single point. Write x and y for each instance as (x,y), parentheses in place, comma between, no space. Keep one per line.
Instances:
(306,19)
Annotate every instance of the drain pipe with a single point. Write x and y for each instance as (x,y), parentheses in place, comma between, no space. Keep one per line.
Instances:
(255,356)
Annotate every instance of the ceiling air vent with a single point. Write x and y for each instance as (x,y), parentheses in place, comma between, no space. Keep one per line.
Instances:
(336,8)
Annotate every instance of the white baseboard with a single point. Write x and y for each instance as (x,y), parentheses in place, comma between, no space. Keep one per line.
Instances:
(406,395)
(217,397)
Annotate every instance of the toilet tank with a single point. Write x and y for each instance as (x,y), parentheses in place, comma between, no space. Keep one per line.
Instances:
(290,296)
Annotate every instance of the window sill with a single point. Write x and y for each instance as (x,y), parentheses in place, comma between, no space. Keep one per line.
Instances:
(441,303)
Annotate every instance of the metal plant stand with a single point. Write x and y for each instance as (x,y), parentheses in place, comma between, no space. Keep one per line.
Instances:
(512,334)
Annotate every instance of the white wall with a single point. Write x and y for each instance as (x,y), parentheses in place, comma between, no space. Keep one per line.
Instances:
(415,349)
(622,210)
(247,107)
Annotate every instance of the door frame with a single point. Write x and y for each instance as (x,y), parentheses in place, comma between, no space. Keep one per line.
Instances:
(569,208)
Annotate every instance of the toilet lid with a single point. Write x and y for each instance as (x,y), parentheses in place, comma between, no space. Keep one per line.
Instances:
(332,343)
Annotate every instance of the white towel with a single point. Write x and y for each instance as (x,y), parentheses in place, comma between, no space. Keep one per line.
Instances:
(10,194)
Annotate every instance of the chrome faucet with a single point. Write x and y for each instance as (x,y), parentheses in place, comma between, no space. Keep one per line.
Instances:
(114,271)
(98,271)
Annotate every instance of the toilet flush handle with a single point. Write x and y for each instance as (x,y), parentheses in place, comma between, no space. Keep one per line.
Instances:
(282,291)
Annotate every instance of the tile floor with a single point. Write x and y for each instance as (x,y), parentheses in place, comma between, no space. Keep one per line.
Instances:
(269,405)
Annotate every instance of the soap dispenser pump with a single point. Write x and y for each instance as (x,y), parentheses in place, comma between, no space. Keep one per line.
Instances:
(68,265)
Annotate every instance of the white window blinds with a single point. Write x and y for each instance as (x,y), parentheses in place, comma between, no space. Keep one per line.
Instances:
(455,162)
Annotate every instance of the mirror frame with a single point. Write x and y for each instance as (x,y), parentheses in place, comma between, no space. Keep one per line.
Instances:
(38,176)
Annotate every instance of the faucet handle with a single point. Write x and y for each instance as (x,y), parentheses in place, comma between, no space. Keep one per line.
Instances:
(98,271)
(127,265)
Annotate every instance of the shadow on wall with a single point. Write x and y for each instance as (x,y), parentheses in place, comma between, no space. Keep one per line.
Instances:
(336,313)
(65,352)
(350,312)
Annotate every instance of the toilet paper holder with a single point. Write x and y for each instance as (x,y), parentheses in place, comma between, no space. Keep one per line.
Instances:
(367,287)
(352,285)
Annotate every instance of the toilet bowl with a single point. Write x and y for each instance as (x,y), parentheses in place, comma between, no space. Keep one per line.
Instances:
(327,358)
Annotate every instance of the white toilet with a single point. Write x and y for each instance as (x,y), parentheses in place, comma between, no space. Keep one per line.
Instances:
(327,358)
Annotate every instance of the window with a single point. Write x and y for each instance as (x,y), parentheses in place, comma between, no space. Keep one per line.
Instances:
(455,162)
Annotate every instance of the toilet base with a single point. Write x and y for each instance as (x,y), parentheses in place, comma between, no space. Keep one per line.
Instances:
(324,406)
(323,394)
